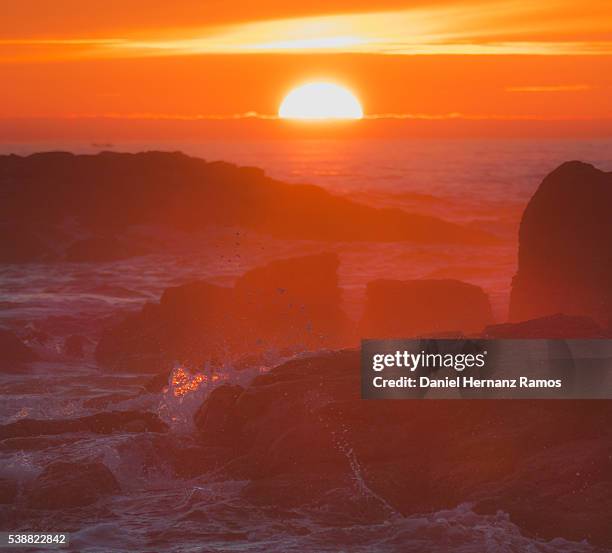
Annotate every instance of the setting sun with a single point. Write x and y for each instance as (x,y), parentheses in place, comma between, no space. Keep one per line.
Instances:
(320,100)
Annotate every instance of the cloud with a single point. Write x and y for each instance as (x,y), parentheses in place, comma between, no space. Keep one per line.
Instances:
(509,27)
(550,88)
(501,27)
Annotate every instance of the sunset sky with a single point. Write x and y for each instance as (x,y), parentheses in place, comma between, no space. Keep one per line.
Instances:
(505,60)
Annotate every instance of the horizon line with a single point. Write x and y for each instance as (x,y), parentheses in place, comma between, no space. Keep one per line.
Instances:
(253,115)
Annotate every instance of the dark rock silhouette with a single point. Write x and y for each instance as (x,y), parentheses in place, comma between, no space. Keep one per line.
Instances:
(14,352)
(302,427)
(63,485)
(100,423)
(292,303)
(553,327)
(299,296)
(187,324)
(403,309)
(576,475)
(8,491)
(108,192)
(565,261)
(214,418)
(19,244)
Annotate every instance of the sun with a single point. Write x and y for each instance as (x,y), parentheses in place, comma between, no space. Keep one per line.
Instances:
(320,101)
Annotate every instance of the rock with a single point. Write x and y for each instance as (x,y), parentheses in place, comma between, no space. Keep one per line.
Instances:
(553,327)
(64,485)
(74,346)
(404,309)
(568,489)
(158,382)
(100,423)
(215,419)
(14,352)
(101,249)
(138,342)
(8,491)
(290,304)
(303,426)
(293,302)
(279,425)
(565,265)
(109,191)
(18,244)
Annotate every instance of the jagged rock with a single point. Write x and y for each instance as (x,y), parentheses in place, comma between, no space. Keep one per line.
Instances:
(278,413)
(403,309)
(554,327)
(8,491)
(158,382)
(568,487)
(63,485)
(19,244)
(292,303)
(565,260)
(12,351)
(303,426)
(100,423)
(215,419)
(110,191)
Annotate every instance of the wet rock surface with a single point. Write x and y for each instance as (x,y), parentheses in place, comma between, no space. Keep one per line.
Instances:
(63,485)
(302,425)
(8,491)
(215,420)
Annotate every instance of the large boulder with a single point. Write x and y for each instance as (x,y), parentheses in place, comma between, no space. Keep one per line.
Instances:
(565,260)
(63,485)
(108,191)
(566,488)
(301,430)
(403,309)
(216,419)
(20,244)
(291,304)
(188,324)
(8,491)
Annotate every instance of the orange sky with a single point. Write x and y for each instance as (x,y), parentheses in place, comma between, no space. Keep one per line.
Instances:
(446,59)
